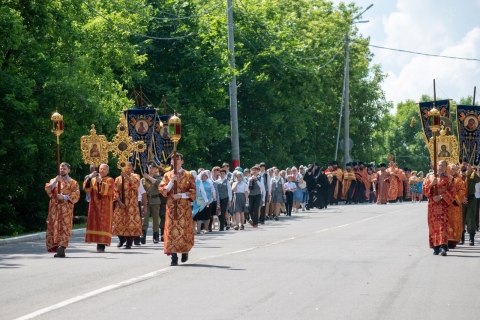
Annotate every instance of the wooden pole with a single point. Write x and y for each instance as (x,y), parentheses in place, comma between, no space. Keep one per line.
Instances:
(141,97)
(474,94)
(135,95)
(434,91)
(164,105)
(175,171)
(123,190)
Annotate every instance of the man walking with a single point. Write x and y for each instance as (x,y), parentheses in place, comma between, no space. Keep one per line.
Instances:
(101,188)
(150,184)
(60,210)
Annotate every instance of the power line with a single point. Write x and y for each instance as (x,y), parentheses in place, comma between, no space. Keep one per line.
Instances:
(133,32)
(423,54)
(174,16)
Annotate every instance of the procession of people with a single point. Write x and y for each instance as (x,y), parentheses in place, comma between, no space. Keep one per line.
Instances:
(183,204)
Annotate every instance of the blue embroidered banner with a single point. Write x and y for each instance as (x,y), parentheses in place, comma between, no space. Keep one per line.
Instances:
(442,105)
(469,133)
(162,143)
(141,125)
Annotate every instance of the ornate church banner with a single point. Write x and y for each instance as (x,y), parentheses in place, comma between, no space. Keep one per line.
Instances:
(444,107)
(468,133)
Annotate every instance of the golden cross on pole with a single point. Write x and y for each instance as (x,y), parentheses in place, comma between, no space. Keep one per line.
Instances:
(123,147)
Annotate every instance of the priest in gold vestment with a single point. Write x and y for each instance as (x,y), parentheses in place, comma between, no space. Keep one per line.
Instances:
(101,189)
(60,210)
(440,193)
(179,232)
(127,223)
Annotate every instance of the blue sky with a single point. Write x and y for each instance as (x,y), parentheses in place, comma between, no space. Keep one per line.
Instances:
(443,27)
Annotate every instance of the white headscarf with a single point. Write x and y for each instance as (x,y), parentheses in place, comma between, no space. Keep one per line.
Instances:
(202,189)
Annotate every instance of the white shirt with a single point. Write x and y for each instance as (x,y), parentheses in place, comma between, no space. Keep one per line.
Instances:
(290,185)
(241,187)
(141,190)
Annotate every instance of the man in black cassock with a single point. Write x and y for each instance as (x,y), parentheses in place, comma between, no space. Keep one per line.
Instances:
(321,195)
(309,179)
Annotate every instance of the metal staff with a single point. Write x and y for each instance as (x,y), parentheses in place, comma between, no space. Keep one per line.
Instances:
(56,122)
(175,133)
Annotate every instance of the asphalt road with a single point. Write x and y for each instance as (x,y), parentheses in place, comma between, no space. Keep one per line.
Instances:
(346,262)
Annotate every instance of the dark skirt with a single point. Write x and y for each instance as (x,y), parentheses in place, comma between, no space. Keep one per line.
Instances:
(239,202)
(203,215)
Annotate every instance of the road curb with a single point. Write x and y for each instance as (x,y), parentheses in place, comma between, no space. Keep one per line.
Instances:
(41,236)
(35,236)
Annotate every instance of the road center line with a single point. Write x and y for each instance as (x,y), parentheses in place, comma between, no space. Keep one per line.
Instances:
(163,270)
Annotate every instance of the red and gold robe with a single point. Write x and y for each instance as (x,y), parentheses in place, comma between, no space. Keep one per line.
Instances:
(348,177)
(401,179)
(100,211)
(127,221)
(455,222)
(394,183)
(383,181)
(366,182)
(438,212)
(179,232)
(60,213)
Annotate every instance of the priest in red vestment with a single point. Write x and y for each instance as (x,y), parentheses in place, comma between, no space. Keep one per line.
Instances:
(440,193)
(127,224)
(179,232)
(60,210)
(101,189)
(382,178)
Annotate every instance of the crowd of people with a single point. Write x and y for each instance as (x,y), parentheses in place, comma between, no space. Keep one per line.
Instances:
(187,203)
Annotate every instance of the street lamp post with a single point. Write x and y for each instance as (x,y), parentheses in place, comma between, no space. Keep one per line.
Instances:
(346,124)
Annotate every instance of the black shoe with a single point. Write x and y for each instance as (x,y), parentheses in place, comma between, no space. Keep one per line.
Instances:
(221,229)
(143,239)
(261,222)
(436,251)
(174,263)
(276,218)
(471,241)
(184,257)
(122,241)
(161,239)
(129,243)
(155,237)
(136,241)
(443,250)
(60,252)
(100,248)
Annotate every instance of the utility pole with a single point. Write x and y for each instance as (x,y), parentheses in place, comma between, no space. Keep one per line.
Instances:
(233,90)
(346,124)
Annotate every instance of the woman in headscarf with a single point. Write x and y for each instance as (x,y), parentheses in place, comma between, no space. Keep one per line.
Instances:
(240,200)
(203,200)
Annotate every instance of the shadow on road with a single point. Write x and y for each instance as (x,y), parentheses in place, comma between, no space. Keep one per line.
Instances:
(200,265)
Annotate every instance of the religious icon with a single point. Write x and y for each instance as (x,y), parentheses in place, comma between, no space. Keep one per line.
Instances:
(141,127)
(448,131)
(164,133)
(444,153)
(470,123)
(94,152)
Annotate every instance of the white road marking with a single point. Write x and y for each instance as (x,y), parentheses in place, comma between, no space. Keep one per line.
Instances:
(158,272)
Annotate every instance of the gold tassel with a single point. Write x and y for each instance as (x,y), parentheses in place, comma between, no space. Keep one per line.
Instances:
(412,122)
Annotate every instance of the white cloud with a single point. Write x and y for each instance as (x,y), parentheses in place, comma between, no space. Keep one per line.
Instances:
(455,78)
(424,26)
